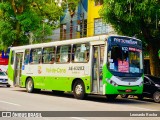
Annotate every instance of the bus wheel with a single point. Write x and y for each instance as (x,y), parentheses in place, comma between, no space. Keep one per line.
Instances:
(79,90)
(111,97)
(30,85)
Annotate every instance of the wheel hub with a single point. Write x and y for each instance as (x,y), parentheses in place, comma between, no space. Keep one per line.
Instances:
(78,89)
(29,85)
(157,96)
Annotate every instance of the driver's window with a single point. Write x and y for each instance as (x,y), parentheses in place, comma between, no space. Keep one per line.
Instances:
(118,59)
(114,54)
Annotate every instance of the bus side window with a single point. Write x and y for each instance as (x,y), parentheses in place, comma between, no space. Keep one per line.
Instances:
(26,57)
(80,52)
(49,55)
(36,56)
(58,58)
(63,53)
(86,56)
(58,54)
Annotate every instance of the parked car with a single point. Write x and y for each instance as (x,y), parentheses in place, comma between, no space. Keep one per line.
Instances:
(4,79)
(151,88)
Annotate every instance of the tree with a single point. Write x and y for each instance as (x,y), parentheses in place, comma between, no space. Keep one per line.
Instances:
(140,18)
(22,19)
(70,4)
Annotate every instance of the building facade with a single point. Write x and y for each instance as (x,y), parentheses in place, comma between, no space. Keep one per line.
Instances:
(84,22)
(73,23)
(95,24)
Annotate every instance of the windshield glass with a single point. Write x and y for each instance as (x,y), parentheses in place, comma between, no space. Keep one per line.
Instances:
(2,74)
(125,59)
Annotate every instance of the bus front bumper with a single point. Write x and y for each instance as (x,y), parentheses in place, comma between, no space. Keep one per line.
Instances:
(110,89)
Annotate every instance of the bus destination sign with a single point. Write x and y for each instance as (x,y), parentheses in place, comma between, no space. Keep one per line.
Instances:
(125,41)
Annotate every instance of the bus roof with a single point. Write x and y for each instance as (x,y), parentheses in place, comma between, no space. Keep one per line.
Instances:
(70,41)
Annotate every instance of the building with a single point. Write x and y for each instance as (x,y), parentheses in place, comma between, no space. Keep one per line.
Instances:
(95,24)
(84,22)
(73,22)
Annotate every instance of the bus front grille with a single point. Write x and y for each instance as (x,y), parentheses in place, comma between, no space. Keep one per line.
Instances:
(129,79)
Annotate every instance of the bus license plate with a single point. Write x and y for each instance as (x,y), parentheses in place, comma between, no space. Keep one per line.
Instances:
(128,90)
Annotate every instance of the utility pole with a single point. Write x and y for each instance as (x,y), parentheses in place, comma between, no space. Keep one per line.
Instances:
(82,25)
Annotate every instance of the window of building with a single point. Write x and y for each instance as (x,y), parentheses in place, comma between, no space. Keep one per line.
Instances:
(80,53)
(98,2)
(49,55)
(63,54)
(83,28)
(36,56)
(26,57)
(100,27)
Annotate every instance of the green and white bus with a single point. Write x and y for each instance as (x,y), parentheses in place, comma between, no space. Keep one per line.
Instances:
(102,65)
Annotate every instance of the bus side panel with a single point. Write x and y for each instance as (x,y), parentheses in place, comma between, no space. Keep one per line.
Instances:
(38,81)
(10,70)
(56,76)
(56,83)
(121,89)
(23,80)
(64,83)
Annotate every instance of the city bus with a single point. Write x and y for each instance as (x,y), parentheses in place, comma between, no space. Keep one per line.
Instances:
(101,65)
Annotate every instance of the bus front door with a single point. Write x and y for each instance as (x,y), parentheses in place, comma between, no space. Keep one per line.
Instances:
(18,68)
(98,56)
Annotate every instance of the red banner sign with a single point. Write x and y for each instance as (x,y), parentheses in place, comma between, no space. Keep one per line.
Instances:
(3,61)
(123,66)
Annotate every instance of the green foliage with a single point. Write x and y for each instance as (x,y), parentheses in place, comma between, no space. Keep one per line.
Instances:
(70,4)
(138,18)
(27,16)
(134,17)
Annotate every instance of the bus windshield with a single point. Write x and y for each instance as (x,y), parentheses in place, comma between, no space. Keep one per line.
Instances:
(125,59)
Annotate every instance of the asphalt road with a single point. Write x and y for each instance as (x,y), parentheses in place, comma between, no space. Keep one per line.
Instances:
(17,99)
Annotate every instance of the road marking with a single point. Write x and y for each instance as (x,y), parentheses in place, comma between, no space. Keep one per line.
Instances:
(78,118)
(10,103)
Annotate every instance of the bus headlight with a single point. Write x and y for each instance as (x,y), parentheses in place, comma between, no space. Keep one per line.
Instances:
(140,84)
(112,83)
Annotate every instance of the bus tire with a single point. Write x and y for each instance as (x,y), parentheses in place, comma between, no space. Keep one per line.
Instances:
(30,85)
(79,90)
